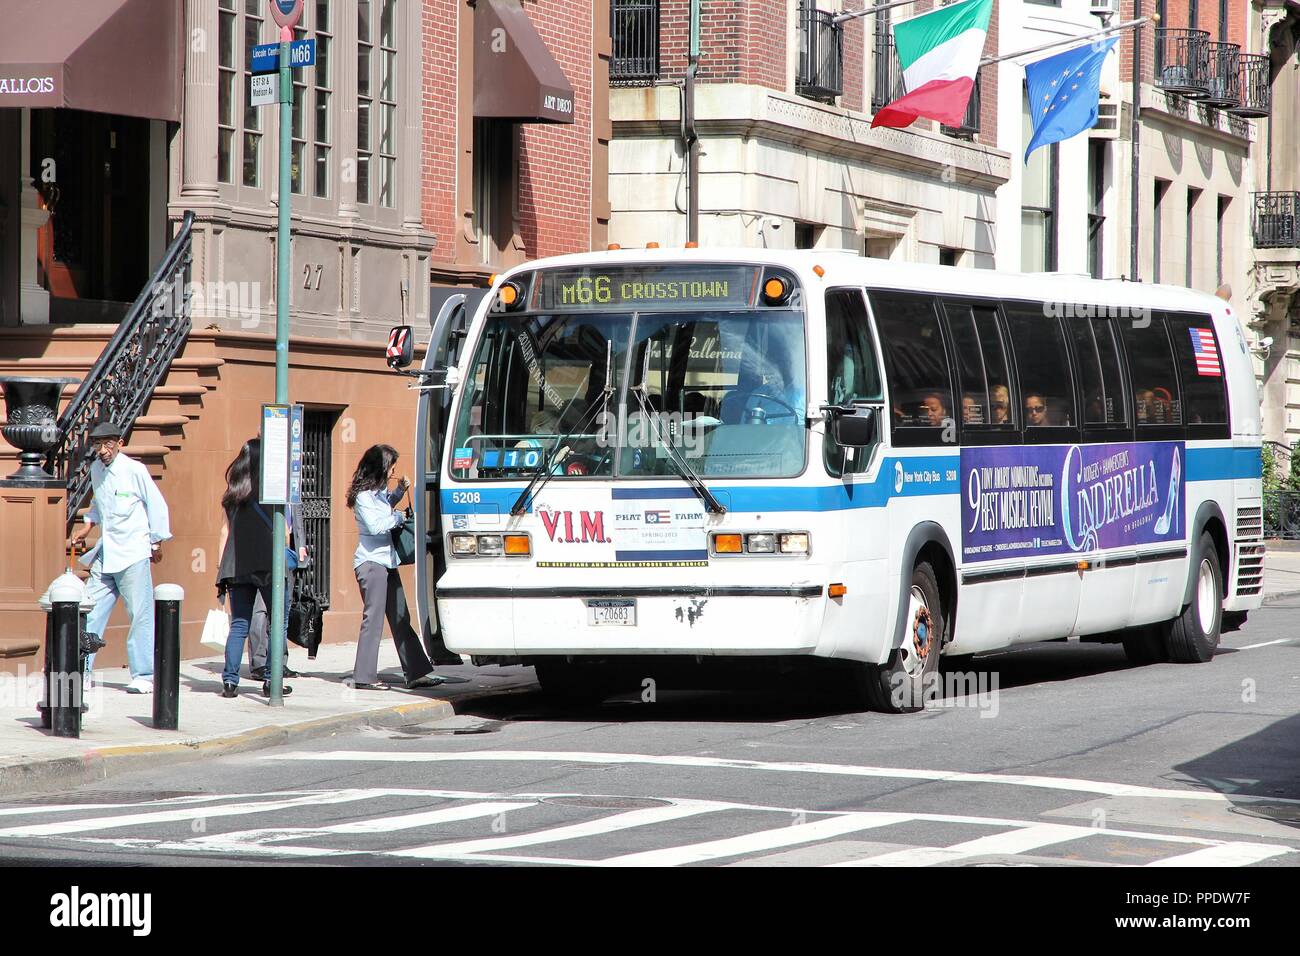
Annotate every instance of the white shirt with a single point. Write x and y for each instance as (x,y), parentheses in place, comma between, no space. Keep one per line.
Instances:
(376,518)
(130,509)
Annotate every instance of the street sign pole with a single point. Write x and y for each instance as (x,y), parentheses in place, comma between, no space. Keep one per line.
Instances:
(283,266)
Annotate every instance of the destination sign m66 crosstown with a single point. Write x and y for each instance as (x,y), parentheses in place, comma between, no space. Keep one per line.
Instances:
(266,56)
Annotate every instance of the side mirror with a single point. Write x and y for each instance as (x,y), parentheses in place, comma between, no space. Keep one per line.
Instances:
(401,347)
(853,429)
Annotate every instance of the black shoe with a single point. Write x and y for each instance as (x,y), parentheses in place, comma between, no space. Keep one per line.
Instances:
(229,690)
(285,689)
(428,680)
(259,673)
(291,673)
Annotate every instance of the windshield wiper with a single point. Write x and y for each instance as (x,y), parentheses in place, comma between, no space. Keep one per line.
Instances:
(680,464)
(546,468)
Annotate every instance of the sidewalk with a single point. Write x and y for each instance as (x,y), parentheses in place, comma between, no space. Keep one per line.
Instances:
(1281,571)
(118,735)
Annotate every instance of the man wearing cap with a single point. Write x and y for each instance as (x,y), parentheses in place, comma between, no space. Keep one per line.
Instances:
(133,519)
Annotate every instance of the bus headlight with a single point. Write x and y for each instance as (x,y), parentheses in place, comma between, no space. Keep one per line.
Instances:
(760,543)
(513,545)
(464,544)
(490,544)
(794,542)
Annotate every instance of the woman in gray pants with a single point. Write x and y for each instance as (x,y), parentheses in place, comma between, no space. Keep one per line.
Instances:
(375,565)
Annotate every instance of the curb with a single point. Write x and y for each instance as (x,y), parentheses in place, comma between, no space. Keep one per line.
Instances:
(1280,596)
(62,772)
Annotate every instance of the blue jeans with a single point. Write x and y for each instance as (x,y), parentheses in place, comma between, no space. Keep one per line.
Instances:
(242,599)
(135,586)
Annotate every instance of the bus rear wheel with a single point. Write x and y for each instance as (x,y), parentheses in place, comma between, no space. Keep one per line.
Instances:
(903,683)
(1192,637)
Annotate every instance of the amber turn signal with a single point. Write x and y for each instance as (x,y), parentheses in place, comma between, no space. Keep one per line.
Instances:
(819,270)
(774,288)
(509,294)
(517,544)
(837,590)
(728,544)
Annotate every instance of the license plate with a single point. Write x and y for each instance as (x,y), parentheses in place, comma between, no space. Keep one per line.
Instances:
(611,612)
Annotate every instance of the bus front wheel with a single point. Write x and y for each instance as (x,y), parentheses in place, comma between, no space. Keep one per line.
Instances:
(904,682)
(1192,637)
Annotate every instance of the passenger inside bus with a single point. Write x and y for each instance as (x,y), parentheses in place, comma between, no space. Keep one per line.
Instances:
(933,411)
(1035,410)
(971,412)
(1001,401)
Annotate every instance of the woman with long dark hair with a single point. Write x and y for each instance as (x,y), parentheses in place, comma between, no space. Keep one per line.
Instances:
(375,565)
(247,543)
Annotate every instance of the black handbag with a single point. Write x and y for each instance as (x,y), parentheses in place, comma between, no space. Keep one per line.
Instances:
(305,618)
(404,540)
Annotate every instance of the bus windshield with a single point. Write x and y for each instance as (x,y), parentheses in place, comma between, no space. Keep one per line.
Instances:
(726,389)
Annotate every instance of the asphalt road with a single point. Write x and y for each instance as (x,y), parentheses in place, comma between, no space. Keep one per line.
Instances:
(1067,755)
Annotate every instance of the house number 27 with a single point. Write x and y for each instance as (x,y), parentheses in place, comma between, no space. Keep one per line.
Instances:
(311,276)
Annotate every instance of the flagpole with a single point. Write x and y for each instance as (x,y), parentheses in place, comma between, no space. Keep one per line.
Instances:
(1129,25)
(841,17)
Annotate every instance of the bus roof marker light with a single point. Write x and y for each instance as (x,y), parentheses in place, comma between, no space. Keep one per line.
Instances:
(775,290)
(837,590)
(613,247)
(652,245)
(692,245)
(819,271)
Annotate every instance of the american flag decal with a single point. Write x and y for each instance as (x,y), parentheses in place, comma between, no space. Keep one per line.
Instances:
(1205,352)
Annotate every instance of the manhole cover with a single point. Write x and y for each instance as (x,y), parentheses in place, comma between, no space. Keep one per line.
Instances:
(443,728)
(608,803)
(1277,812)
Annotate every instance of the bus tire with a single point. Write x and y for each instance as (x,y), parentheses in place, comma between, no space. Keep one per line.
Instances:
(1144,645)
(903,683)
(1192,637)
(570,683)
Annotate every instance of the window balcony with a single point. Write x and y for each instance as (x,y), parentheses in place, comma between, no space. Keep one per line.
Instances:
(970,124)
(821,55)
(887,79)
(1223,79)
(634,30)
(1182,61)
(1253,86)
(1275,220)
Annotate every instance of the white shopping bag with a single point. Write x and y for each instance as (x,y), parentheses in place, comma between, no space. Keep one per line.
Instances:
(215,629)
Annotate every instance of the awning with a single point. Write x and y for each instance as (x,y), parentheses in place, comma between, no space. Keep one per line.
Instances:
(106,56)
(515,76)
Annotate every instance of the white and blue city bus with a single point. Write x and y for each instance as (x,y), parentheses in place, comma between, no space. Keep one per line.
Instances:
(751,453)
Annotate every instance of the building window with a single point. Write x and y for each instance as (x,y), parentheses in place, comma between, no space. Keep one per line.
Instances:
(1157,227)
(1223,21)
(494,186)
(1193,196)
(948,257)
(376,101)
(634,30)
(252,114)
(821,54)
(806,235)
(1096,207)
(227,76)
(324,95)
(298,145)
(887,80)
(1038,205)
(1220,249)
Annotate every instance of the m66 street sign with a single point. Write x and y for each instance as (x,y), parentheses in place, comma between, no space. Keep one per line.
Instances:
(286,13)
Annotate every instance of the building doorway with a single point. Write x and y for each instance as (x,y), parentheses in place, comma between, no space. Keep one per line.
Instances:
(317,476)
(92,172)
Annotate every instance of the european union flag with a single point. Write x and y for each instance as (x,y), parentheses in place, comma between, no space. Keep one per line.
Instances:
(1063,93)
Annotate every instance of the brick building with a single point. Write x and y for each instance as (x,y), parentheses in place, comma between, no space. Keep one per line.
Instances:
(783,107)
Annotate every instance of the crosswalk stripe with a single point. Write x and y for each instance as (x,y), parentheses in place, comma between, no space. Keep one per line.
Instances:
(895,773)
(755,842)
(1008,842)
(575,831)
(1226,854)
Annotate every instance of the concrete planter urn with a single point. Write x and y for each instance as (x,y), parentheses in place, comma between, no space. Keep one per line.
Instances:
(32,405)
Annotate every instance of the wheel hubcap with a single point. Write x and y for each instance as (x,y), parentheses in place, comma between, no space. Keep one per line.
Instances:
(1207,597)
(920,623)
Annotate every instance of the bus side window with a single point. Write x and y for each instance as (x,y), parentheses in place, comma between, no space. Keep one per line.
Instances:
(1103,384)
(981,367)
(1156,396)
(1200,362)
(851,372)
(1046,395)
(916,364)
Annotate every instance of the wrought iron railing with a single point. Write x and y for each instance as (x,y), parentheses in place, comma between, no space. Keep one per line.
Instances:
(1256,93)
(887,78)
(1274,220)
(634,30)
(1282,514)
(821,54)
(970,124)
(119,384)
(1223,78)
(1182,61)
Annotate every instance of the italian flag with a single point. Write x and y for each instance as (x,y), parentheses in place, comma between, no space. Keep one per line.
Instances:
(940,52)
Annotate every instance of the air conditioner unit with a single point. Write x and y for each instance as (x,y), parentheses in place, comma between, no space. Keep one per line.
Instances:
(1107,121)
(1102,8)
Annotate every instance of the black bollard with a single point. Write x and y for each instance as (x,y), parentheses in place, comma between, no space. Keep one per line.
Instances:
(63,661)
(167,655)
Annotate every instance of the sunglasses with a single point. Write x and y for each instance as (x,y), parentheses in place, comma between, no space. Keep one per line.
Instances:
(1036,409)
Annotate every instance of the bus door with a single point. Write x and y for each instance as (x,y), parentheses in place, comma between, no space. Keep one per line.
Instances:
(445,342)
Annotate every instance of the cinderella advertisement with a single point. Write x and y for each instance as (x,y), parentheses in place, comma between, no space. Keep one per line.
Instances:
(1069,499)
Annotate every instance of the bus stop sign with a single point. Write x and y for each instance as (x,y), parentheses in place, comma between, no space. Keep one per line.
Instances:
(286,13)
